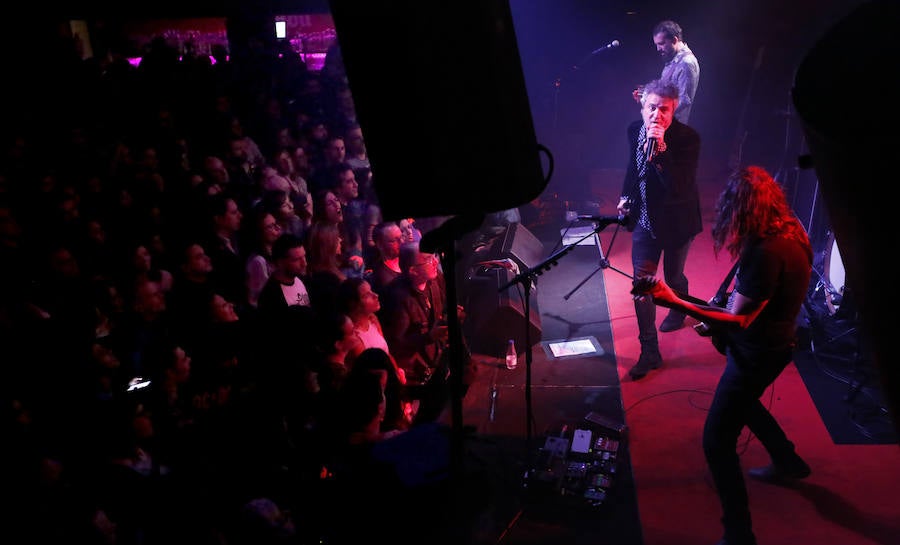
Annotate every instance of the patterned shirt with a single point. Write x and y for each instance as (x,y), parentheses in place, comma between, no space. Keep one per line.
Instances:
(684,72)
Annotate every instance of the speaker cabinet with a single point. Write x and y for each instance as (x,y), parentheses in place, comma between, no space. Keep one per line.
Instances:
(451,69)
(520,245)
(493,316)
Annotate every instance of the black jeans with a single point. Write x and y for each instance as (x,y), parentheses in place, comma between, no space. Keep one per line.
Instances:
(645,255)
(736,404)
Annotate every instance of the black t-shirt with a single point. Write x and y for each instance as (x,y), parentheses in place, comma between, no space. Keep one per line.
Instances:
(776,269)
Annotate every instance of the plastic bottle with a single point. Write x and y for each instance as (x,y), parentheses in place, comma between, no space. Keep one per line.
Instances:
(512,358)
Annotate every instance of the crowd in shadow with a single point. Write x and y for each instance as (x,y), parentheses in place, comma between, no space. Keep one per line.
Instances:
(207,328)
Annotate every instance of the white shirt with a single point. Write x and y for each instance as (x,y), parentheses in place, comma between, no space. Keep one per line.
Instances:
(295,294)
(372,338)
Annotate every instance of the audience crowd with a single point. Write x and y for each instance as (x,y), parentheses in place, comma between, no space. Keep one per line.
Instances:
(206,325)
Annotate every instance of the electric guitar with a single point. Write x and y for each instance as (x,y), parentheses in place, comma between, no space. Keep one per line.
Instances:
(717,335)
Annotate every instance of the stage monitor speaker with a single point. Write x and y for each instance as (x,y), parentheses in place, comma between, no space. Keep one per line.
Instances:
(520,245)
(440,80)
(493,317)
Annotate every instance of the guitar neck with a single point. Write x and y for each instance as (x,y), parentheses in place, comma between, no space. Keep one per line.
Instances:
(692,299)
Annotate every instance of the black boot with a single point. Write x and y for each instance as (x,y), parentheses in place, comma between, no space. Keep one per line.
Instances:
(672,322)
(649,359)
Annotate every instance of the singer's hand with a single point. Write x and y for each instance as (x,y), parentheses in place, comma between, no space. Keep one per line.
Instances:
(624,206)
(655,130)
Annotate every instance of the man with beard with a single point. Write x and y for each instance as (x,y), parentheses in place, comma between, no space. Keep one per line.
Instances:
(681,67)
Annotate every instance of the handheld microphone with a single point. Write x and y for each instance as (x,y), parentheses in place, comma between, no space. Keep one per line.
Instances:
(651,148)
(610,45)
(606,220)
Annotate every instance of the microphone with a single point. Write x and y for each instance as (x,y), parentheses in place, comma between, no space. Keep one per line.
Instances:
(610,45)
(606,220)
(651,148)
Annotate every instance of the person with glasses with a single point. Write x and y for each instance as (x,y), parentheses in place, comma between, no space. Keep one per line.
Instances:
(413,313)
(414,316)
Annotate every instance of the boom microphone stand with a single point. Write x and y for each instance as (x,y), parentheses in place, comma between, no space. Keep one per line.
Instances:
(604,264)
(527,278)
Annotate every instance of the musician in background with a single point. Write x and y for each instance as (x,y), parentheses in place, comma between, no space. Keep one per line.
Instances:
(661,197)
(756,226)
(681,69)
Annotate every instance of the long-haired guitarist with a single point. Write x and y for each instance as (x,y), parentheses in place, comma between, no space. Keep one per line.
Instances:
(755,225)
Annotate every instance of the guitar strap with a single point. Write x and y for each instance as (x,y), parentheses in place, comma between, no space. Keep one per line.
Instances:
(721,296)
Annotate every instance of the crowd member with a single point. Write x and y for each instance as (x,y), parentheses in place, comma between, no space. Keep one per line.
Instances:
(143,266)
(285,286)
(302,166)
(214,171)
(224,247)
(144,324)
(384,263)
(323,270)
(335,151)
(356,215)
(191,292)
(327,208)
(756,226)
(357,156)
(285,166)
(222,358)
(681,68)
(661,197)
(250,151)
(357,300)
(414,319)
(243,172)
(169,402)
(334,338)
(264,231)
(279,204)
(324,151)
(398,412)
(410,232)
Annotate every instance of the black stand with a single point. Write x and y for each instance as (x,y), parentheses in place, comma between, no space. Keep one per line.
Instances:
(527,278)
(604,264)
(442,241)
(847,319)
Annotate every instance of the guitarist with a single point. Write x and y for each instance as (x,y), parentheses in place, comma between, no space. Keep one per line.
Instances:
(755,224)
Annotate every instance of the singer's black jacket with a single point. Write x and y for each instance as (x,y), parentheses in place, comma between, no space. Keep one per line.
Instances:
(673,200)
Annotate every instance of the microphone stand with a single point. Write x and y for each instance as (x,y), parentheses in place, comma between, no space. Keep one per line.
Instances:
(443,241)
(604,264)
(527,278)
(556,84)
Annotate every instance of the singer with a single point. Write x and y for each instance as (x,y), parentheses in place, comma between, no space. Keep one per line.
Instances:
(660,193)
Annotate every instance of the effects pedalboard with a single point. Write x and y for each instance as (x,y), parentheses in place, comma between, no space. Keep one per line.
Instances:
(579,463)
